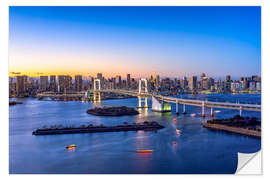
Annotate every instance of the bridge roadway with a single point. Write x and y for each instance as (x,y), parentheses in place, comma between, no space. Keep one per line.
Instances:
(211,104)
(53,95)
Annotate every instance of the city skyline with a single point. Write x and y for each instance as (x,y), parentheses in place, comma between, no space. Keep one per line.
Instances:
(95,76)
(170,41)
(61,83)
(134,89)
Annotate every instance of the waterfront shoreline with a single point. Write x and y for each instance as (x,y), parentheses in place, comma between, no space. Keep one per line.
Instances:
(236,130)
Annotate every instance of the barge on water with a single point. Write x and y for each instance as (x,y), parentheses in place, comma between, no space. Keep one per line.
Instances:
(146,126)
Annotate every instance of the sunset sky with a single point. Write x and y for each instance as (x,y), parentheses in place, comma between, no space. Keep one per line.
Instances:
(170,41)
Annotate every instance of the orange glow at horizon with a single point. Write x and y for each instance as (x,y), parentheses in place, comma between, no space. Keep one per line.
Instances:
(72,73)
(35,64)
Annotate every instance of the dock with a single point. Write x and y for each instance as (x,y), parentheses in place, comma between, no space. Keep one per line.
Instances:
(147,126)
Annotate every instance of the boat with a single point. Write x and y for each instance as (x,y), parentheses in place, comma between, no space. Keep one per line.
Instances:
(72,146)
(177,131)
(144,151)
(193,115)
(217,111)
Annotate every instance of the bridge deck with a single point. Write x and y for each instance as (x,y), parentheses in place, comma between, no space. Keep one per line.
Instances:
(192,102)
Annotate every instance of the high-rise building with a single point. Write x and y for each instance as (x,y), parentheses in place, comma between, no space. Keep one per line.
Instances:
(113,82)
(184,83)
(64,83)
(242,79)
(61,83)
(78,83)
(252,86)
(53,83)
(254,77)
(69,82)
(157,81)
(43,83)
(235,86)
(12,85)
(31,86)
(258,86)
(21,85)
(203,76)
(128,80)
(25,79)
(211,81)
(152,79)
(245,83)
(204,83)
(99,76)
(192,83)
(118,81)
(227,84)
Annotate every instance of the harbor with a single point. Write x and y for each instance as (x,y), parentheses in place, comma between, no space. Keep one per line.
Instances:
(182,140)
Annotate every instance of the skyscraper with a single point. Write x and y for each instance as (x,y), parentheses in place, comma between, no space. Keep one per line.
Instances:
(184,83)
(99,76)
(78,83)
(128,80)
(228,83)
(69,82)
(192,83)
(118,81)
(228,78)
(53,83)
(25,80)
(252,86)
(12,85)
(204,83)
(43,83)
(203,76)
(157,81)
(20,85)
(64,83)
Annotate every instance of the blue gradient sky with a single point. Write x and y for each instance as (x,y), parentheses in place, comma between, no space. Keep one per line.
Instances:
(170,41)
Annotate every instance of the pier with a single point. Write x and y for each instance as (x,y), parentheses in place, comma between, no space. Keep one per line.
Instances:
(146,126)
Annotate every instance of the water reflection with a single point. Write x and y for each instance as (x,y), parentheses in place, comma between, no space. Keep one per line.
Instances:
(97,97)
(194,150)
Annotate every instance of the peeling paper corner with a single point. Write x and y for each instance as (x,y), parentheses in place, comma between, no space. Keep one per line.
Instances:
(249,163)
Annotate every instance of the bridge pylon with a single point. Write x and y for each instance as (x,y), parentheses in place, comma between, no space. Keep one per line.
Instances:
(203,109)
(212,112)
(140,101)
(95,84)
(145,85)
(176,108)
(184,109)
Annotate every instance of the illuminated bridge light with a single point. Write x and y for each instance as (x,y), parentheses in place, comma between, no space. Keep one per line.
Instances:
(160,106)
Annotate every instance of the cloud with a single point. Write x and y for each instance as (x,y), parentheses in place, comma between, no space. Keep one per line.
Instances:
(15,72)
